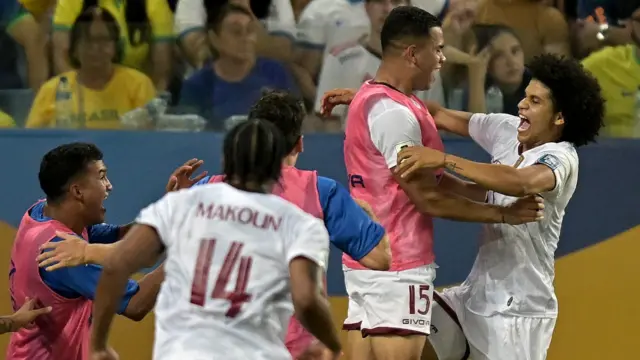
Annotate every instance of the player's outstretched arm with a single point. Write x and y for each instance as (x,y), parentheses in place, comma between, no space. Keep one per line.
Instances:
(453,121)
(72,251)
(139,247)
(24,317)
(507,180)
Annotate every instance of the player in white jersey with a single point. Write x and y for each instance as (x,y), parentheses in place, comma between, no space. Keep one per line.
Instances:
(507,306)
(237,257)
(349,65)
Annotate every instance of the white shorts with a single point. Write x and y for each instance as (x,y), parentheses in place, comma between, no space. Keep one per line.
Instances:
(496,337)
(390,302)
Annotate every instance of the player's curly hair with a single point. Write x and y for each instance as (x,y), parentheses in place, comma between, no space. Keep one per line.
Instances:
(575,93)
(62,164)
(283,109)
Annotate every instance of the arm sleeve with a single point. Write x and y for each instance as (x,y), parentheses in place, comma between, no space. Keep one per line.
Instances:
(161,20)
(350,228)
(490,129)
(82,281)
(392,129)
(331,77)
(159,215)
(310,31)
(560,163)
(65,14)
(103,233)
(203,181)
(281,20)
(306,237)
(190,16)
(142,90)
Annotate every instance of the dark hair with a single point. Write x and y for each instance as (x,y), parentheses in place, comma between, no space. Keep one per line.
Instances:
(253,153)
(407,21)
(81,27)
(62,164)
(485,33)
(283,109)
(260,8)
(136,17)
(575,93)
(216,15)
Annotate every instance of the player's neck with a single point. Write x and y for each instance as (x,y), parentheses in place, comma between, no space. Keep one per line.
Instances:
(390,76)
(95,78)
(63,214)
(232,70)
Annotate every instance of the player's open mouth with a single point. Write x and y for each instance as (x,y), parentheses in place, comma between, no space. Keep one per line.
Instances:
(524,124)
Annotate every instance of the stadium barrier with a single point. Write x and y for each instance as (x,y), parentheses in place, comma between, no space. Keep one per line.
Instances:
(596,264)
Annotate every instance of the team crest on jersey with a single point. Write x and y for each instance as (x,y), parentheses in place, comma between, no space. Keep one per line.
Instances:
(549,160)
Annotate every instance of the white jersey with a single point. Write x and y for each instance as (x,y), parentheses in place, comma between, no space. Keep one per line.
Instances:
(514,269)
(351,65)
(226,288)
(325,24)
(191,15)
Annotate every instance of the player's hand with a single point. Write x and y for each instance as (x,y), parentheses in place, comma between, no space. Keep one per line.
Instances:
(25,316)
(66,253)
(413,158)
(181,178)
(106,354)
(335,97)
(526,209)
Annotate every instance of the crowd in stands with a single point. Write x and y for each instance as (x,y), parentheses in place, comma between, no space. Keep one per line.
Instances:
(92,63)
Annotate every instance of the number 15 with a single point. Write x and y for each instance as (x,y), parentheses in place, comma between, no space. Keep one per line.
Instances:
(423,294)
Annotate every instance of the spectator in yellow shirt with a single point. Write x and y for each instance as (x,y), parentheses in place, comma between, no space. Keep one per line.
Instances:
(100,90)
(6,121)
(617,69)
(146,28)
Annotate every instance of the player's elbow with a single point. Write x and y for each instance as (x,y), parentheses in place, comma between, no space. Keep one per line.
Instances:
(379,258)
(431,203)
(305,301)
(135,314)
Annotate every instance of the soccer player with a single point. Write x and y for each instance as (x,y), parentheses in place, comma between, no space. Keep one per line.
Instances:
(393,308)
(507,307)
(510,289)
(74,180)
(236,258)
(350,229)
(349,65)
(24,317)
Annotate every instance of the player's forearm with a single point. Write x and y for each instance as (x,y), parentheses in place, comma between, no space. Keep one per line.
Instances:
(500,178)
(144,301)
(451,206)
(467,189)
(6,324)
(107,299)
(98,253)
(315,316)
(379,258)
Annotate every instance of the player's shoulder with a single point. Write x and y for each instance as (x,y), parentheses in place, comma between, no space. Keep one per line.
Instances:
(381,106)
(552,153)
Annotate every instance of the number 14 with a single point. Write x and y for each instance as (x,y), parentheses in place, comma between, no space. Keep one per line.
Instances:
(238,296)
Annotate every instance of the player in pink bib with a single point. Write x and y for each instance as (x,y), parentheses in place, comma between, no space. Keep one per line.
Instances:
(384,117)
(74,179)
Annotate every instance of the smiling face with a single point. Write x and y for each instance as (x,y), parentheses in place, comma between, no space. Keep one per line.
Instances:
(427,59)
(539,121)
